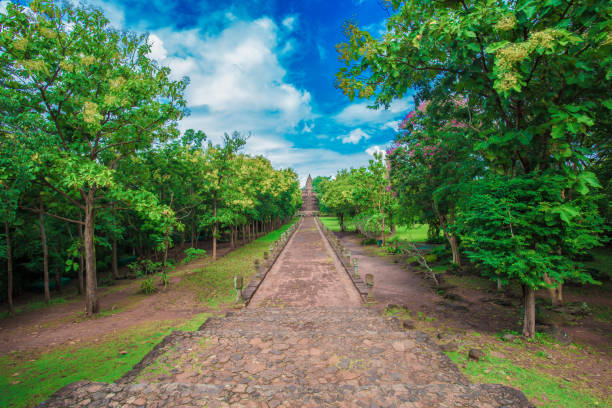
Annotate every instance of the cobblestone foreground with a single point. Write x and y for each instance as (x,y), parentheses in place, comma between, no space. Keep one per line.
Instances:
(310,356)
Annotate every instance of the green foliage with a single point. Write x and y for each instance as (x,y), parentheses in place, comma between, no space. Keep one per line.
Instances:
(192,254)
(147,286)
(521,228)
(511,129)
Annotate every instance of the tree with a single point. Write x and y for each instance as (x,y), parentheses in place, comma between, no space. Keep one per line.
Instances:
(535,78)
(98,97)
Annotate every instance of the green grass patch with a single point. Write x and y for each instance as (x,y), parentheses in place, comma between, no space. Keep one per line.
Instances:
(469,281)
(415,233)
(35,305)
(538,386)
(27,379)
(214,283)
(333,224)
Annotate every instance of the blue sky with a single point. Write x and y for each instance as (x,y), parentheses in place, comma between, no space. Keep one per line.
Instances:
(266,67)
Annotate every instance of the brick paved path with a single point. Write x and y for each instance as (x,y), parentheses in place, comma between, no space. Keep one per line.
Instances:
(328,352)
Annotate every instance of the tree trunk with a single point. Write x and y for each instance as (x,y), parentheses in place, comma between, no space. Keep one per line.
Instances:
(452,239)
(555,292)
(81,259)
(383,231)
(529,305)
(43,240)
(9,268)
(559,294)
(114,260)
(243,235)
(214,243)
(193,233)
(341,222)
(232,242)
(92,303)
(166,246)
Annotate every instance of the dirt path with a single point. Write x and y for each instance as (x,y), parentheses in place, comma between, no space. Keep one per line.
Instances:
(123,305)
(307,273)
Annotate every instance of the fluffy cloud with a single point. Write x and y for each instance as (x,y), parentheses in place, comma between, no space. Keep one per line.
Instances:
(375,150)
(237,71)
(355,136)
(358,114)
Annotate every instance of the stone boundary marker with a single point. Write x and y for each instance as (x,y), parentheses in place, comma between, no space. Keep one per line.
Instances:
(350,265)
(270,257)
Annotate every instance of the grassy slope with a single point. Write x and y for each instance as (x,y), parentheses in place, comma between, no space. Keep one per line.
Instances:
(214,283)
(28,378)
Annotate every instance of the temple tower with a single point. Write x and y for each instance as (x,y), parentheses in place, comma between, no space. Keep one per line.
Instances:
(309,198)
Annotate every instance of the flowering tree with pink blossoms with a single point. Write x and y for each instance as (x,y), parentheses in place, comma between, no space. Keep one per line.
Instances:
(430,164)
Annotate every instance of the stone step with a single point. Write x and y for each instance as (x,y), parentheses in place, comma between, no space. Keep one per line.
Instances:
(171,395)
(310,319)
(222,356)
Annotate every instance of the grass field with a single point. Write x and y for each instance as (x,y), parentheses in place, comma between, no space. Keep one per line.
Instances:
(214,283)
(415,233)
(28,378)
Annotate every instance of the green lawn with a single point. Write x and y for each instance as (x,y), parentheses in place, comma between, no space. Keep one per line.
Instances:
(416,233)
(215,282)
(28,379)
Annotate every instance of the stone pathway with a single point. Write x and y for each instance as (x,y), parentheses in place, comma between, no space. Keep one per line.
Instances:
(320,349)
(307,273)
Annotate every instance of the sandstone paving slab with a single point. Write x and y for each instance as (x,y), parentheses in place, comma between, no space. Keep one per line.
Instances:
(173,395)
(308,319)
(282,357)
(307,273)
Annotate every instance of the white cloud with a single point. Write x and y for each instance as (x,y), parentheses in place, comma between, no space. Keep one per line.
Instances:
(3,5)
(158,52)
(394,124)
(375,150)
(290,22)
(358,113)
(355,136)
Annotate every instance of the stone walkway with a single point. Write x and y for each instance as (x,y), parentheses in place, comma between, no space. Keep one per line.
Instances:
(307,273)
(305,341)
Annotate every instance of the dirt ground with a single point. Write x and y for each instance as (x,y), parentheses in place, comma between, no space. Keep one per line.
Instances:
(462,309)
(122,306)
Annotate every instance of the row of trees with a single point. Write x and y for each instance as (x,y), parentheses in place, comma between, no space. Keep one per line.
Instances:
(511,127)
(92,164)
(363,195)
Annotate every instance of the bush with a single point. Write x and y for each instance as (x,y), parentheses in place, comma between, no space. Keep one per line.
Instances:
(146,286)
(193,254)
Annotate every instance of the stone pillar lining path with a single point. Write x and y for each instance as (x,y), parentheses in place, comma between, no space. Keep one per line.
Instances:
(307,273)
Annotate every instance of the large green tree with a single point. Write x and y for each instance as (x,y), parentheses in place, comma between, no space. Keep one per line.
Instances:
(535,78)
(98,97)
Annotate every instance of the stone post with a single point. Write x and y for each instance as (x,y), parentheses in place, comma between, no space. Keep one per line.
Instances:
(355,267)
(257,269)
(348,257)
(370,284)
(238,286)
